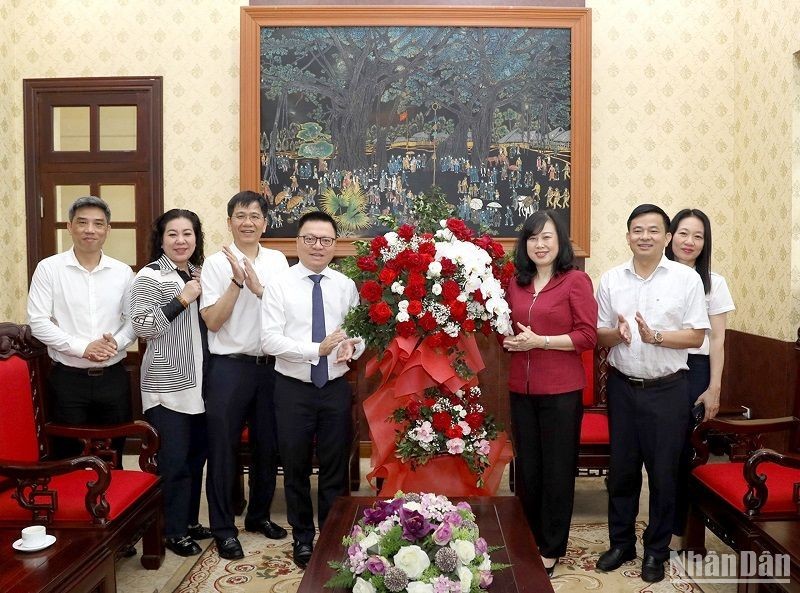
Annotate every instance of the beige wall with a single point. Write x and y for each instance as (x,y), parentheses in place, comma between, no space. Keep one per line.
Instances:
(691,107)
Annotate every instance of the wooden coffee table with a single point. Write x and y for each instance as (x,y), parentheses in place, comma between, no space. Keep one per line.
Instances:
(501,521)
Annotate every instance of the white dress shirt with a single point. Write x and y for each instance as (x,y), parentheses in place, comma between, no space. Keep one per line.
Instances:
(718,300)
(671,298)
(286,320)
(240,334)
(69,307)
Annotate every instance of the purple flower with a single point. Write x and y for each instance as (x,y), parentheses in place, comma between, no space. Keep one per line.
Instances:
(486,579)
(415,526)
(356,531)
(453,518)
(443,534)
(463,506)
(376,565)
(442,584)
(380,510)
(481,547)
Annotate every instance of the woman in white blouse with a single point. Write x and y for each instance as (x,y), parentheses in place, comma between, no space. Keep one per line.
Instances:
(691,245)
(164,301)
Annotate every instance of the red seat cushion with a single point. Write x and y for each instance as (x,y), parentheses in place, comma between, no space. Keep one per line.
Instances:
(594,429)
(587,358)
(126,487)
(17,428)
(727,480)
(246,434)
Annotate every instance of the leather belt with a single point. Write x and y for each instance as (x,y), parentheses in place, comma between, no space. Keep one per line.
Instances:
(86,372)
(264,359)
(645,383)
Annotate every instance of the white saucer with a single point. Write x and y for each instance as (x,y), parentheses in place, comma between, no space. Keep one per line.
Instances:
(49,540)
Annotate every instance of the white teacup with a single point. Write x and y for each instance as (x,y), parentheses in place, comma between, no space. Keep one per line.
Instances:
(34,536)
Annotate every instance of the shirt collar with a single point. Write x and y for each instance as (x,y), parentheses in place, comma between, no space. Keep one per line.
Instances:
(73,260)
(167,266)
(240,254)
(661,264)
(303,271)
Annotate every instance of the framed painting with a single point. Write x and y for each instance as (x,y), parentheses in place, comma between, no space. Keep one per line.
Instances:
(358,111)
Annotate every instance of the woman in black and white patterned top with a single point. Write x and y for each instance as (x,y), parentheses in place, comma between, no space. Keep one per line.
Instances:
(164,301)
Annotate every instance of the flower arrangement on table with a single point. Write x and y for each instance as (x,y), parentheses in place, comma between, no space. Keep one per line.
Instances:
(444,422)
(415,543)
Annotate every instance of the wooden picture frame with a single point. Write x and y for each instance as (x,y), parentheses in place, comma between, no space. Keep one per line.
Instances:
(576,20)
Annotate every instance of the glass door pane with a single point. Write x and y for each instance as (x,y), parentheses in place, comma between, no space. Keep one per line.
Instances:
(70,129)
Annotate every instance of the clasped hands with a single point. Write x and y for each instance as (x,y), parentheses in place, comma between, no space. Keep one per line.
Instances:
(347,346)
(244,272)
(647,334)
(525,340)
(101,349)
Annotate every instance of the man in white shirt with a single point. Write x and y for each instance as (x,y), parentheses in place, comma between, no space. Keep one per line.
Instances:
(240,380)
(648,416)
(78,306)
(301,315)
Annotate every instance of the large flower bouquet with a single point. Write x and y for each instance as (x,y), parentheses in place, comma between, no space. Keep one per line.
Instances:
(446,423)
(432,285)
(415,543)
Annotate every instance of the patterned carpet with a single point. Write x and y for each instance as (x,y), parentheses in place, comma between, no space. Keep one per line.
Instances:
(268,568)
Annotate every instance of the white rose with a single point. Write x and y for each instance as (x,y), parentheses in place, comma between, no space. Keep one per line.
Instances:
(371,540)
(465,576)
(402,316)
(436,289)
(412,560)
(487,563)
(402,305)
(434,269)
(411,505)
(465,550)
(391,237)
(363,586)
(398,288)
(417,587)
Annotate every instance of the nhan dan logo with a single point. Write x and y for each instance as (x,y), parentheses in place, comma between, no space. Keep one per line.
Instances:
(744,567)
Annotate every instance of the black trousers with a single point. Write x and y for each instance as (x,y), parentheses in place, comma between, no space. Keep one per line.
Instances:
(546,431)
(307,415)
(647,426)
(699,376)
(239,391)
(184,445)
(89,400)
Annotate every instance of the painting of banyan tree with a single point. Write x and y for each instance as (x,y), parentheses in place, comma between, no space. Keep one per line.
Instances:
(360,121)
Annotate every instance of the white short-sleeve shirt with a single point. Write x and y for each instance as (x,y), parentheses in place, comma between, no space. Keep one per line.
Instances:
(718,300)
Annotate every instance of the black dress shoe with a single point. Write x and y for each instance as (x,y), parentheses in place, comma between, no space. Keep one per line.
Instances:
(199,532)
(614,558)
(183,546)
(550,570)
(301,553)
(268,528)
(652,569)
(229,548)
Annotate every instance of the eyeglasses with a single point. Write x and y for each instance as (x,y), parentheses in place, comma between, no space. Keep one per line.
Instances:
(311,240)
(254,217)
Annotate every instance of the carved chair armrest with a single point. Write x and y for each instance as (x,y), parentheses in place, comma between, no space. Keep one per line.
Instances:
(757,493)
(746,433)
(32,481)
(97,439)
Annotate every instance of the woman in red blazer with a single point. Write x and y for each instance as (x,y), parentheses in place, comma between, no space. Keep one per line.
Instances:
(555,319)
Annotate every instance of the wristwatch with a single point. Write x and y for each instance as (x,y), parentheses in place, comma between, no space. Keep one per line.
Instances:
(657,337)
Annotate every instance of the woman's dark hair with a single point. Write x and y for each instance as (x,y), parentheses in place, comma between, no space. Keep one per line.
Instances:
(526,269)
(160,225)
(702,264)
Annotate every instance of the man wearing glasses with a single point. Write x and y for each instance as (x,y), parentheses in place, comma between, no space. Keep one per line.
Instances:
(301,317)
(239,379)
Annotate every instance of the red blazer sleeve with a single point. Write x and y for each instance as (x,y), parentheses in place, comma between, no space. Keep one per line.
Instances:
(584,313)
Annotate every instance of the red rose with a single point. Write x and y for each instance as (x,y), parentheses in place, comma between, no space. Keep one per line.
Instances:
(434,340)
(415,289)
(429,402)
(387,276)
(416,262)
(475,420)
(380,313)
(405,232)
(450,290)
(448,267)
(441,421)
(405,329)
(414,308)
(427,321)
(458,310)
(367,263)
(427,248)
(454,432)
(413,408)
(459,228)
(377,244)
(468,325)
(371,291)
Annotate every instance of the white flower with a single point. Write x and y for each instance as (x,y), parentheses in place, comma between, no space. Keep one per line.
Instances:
(371,540)
(434,269)
(465,428)
(436,289)
(465,575)
(402,305)
(486,564)
(412,506)
(413,561)
(398,288)
(391,237)
(417,587)
(363,586)
(402,316)
(465,550)
(424,433)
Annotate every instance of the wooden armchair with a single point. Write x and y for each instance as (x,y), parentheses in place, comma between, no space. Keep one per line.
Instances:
(83,492)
